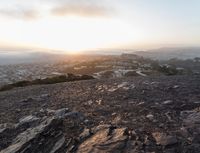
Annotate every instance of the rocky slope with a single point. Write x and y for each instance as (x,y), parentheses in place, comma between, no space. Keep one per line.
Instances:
(141,114)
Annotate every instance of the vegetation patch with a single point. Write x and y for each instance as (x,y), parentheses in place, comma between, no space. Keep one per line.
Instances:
(50,80)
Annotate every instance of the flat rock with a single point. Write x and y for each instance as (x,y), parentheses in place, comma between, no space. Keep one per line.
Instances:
(166,102)
(61,112)
(192,119)
(105,140)
(28,119)
(150,116)
(164,139)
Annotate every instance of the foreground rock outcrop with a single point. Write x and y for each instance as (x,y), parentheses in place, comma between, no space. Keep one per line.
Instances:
(45,137)
(50,132)
(105,139)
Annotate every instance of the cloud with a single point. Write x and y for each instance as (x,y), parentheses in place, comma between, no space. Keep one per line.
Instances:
(82,8)
(31,10)
(19,13)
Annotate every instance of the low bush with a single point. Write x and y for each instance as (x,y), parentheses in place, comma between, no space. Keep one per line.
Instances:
(49,80)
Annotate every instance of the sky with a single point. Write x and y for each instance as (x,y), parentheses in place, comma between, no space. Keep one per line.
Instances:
(78,25)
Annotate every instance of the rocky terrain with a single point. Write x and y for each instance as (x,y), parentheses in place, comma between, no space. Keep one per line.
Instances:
(128,115)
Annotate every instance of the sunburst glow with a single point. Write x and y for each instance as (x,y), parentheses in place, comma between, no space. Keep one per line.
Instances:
(73,34)
(80,25)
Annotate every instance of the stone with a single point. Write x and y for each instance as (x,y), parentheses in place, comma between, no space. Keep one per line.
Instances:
(44,95)
(58,145)
(113,114)
(90,102)
(5,126)
(166,102)
(100,127)
(18,110)
(50,111)
(61,112)
(99,101)
(141,103)
(86,133)
(117,120)
(175,86)
(28,119)
(10,131)
(105,140)
(183,132)
(86,121)
(75,116)
(193,148)
(191,119)
(123,84)
(150,116)
(164,139)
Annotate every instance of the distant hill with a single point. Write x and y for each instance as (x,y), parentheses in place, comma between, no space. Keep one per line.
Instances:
(29,56)
(18,57)
(168,53)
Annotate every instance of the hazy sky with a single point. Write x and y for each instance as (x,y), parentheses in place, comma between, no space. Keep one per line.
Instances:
(75,25)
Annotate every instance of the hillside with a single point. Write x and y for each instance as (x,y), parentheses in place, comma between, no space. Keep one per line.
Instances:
(168,53)
(140,114)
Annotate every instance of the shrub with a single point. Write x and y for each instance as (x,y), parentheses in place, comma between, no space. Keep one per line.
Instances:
(52,80)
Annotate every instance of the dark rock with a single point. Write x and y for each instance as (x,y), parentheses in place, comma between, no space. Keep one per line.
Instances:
(10,131)
(75,116)
(164,139)
(44,138)
(191,119)
(59,145)
(61,112)
(193,148)
(5,126)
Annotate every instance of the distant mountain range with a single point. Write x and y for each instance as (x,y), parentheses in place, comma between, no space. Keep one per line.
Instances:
(16,57)
(168,53)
